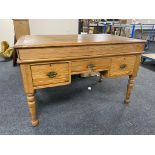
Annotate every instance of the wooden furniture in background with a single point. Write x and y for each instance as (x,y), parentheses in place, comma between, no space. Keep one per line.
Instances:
(149,56)
(49,61)
(21,28)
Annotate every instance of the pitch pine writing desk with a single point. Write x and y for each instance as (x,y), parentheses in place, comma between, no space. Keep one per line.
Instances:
(49,61)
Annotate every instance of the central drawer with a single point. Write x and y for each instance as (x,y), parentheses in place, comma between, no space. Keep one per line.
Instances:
(84,65)
(51,74)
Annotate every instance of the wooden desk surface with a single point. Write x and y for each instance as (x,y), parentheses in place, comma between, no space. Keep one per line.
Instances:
(29,41)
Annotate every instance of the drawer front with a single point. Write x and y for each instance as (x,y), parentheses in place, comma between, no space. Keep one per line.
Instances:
(51,74)
(122,65)
(85,65)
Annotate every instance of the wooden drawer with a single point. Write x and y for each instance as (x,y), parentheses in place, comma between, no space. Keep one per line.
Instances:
(52,74)
(97,64)
(122,65)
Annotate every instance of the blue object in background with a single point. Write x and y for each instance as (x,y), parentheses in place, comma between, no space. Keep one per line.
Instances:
(104,28)
(133,31)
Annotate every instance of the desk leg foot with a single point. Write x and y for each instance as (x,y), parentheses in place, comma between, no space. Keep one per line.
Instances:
(35,123)
(32,108)
(129,89)
(126,101)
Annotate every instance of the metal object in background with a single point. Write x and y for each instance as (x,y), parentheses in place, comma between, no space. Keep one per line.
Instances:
(117,27)
(150,37)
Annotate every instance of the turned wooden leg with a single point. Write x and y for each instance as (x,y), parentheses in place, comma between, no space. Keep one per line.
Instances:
(129,89)
(32,108)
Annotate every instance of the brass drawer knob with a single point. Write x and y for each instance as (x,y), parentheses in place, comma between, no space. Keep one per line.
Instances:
(90,66)
(51,74)
(123,66)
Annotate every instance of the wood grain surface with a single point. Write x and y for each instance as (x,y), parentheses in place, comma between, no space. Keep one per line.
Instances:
(77,52)
(71,40)
(40,74)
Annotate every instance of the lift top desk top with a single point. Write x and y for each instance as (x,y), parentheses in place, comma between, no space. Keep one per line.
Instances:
(49,61)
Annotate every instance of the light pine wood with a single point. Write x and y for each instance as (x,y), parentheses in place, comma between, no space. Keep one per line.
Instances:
(21,27)
(32,108)
(116,69)
(129,89)
(67,55)
(40,71)
(82,66)
(136,65)
(151,56)
(132,79)
(72,40)
(76,52)
(27,78)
